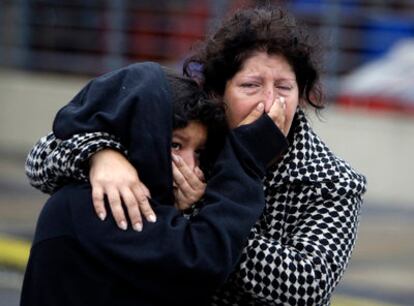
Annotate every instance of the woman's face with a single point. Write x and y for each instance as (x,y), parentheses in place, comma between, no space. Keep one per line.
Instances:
(262,78)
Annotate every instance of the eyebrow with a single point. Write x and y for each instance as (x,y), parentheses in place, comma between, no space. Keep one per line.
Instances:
(258,77)
(287,79)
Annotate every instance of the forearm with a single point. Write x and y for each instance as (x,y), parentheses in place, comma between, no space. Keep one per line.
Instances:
(53,162)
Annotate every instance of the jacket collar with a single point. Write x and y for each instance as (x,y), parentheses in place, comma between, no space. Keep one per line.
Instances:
(308,159)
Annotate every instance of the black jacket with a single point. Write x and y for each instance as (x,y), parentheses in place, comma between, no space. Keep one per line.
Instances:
(76,259)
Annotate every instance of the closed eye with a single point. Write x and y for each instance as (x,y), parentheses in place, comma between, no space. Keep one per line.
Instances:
(282,87)
(249,85)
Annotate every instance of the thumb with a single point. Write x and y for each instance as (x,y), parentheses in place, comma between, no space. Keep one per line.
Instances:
(253,115)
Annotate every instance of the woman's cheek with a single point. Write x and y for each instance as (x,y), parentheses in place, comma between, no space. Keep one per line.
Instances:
(233,116)
(236,111)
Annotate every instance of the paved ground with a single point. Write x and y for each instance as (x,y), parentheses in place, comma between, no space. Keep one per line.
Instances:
(10,284)
(9,297)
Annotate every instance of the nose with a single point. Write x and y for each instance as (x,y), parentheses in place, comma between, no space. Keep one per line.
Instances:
(189,158)
(269,97)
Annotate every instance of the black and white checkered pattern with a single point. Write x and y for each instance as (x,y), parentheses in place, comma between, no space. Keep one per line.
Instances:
(299,249)
(52,162)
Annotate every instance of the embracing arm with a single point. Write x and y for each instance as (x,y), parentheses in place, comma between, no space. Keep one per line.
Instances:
(308,264)
(53,162)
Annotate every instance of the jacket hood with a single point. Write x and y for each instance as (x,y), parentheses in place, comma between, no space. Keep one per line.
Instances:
(134,104)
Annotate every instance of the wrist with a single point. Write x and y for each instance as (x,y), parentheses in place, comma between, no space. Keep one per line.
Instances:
(102,154)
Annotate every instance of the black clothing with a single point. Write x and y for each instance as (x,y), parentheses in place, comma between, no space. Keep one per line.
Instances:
(133,104)
(76,259)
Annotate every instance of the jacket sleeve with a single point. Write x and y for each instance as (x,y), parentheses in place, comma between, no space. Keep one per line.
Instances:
(189,259)
(306,267)
(103,114)
(52,162)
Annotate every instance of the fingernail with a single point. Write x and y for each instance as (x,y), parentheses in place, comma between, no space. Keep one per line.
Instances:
(152,218)
(102,216)
(138,227)
(123,225)
(260,106)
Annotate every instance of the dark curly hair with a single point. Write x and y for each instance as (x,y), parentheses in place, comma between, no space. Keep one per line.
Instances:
(267,29)
(191,103)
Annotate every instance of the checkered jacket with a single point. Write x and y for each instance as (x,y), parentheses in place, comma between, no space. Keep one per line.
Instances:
(298,250)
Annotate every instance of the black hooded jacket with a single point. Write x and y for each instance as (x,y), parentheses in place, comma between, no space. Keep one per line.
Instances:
(76,259)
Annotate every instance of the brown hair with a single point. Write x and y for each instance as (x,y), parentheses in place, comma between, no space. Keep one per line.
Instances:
(191,103)
(267,29)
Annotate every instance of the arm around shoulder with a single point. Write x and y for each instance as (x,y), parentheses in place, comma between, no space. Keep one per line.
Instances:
(53,162)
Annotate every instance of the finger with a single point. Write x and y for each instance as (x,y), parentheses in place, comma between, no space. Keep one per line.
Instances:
(283,102)
(180,181)
(145,190)
(181,203)
(277,113)
(276,108)
(142,187)
(177,199)
(98,201)
(253,115)
(186,194)
(145,208)
(116,208)
(178,177)
(133,208)
(190,177)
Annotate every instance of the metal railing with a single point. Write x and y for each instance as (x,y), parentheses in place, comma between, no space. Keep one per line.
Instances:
(94,36)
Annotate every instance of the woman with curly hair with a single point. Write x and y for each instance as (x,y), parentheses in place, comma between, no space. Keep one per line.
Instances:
(169,128)
(301,245)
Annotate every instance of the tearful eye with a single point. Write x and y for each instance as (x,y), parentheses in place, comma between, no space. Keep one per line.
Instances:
(281,87)
(249,85)
(175,146)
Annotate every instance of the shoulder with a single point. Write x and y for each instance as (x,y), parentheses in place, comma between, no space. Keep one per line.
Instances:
(55,219)
(62,203)
(143,78)
(148,69)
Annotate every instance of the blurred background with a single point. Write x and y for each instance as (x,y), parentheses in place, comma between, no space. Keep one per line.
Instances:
(49,49)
